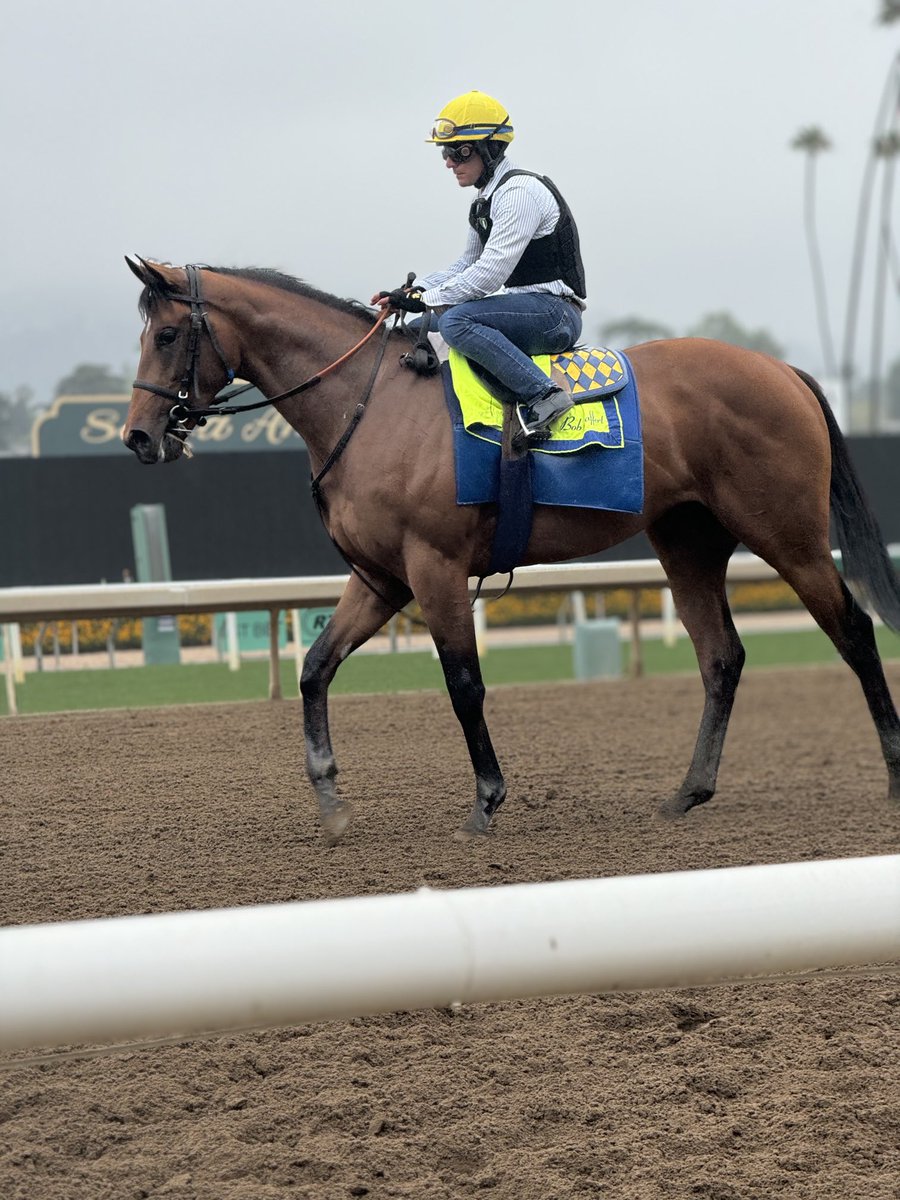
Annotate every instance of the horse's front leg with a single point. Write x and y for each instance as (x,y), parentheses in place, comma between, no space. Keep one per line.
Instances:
(359,614)
(444,601)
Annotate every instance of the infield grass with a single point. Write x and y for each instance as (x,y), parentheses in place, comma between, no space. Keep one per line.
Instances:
(141,687)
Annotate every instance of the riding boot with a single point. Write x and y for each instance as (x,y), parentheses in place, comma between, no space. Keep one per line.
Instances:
(539,415)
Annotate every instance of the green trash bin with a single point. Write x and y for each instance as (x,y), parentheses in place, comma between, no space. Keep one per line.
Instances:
(598,649)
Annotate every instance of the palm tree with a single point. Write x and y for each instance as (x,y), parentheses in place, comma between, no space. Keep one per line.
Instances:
(886,148)
(812,141)
(895,265)
(890,11)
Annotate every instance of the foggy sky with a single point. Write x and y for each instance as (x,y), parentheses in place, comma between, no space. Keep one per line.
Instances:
(291,135)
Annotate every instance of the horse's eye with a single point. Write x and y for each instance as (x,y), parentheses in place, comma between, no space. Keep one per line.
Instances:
(166,336)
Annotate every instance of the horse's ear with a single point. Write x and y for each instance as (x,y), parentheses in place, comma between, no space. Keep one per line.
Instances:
(136,267)
(148,273)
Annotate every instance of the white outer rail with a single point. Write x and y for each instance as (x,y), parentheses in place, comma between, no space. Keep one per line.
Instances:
(264,966)
(226,595)
(77,602)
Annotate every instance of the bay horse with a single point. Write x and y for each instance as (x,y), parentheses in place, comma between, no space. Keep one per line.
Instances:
(738,448)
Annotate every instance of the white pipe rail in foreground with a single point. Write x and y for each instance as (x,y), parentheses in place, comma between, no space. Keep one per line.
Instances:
(264,966)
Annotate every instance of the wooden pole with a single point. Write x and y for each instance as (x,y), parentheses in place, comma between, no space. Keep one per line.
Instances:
(636,666)
(274,663)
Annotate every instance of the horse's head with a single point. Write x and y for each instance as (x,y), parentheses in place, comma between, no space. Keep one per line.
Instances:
(184,361)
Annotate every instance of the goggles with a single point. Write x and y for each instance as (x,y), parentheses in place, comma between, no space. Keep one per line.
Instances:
(459,153)
(444,129)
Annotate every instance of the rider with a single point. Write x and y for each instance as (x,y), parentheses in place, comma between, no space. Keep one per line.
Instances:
(518,288)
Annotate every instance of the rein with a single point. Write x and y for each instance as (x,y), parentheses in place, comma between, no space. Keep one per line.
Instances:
(182,411)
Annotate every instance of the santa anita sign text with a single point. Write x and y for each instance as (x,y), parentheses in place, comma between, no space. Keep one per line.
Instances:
(76,425)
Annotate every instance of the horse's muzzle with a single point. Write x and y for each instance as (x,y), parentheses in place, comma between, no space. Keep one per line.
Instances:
(150,451)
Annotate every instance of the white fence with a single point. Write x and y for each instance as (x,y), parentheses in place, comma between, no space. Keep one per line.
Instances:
(277,595)
(272,965)
(236,595)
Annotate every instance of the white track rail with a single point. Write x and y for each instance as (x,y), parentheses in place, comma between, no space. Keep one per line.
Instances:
(266,966)
(83,602)
(77,602)
(235,595)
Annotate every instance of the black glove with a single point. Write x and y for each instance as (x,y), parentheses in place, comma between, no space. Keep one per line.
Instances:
(408,301)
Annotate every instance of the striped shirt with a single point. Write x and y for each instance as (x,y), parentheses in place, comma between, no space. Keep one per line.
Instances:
(523,210)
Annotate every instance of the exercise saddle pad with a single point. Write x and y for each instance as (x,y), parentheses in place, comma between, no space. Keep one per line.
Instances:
(593,455)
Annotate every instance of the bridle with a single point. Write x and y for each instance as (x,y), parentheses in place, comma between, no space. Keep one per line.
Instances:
(199,321)
(183,411)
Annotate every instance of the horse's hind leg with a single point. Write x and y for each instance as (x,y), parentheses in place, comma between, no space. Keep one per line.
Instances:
(359,614)
(694,550)
(444,600)
(823,591)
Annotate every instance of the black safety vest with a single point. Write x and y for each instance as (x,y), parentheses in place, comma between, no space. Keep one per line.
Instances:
(554,256)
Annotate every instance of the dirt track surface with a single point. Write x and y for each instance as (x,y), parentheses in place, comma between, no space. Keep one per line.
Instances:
(778,1089)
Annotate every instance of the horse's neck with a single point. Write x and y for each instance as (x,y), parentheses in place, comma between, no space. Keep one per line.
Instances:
(296,345)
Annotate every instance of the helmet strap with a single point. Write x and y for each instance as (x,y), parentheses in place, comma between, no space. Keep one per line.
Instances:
(491,155)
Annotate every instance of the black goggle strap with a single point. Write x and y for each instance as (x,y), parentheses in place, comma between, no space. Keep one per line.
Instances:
(497,128)
(453,129)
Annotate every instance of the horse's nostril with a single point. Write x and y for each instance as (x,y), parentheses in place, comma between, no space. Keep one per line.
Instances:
(142,445)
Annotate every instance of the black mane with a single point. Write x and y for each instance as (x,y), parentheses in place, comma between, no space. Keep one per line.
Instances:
(271,278)
(288,283)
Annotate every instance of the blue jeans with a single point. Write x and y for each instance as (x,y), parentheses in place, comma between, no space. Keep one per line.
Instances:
(500,332)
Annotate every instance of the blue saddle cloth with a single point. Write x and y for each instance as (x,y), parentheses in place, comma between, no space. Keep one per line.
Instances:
(602,467)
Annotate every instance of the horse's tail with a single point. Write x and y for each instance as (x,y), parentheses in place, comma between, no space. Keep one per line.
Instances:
(865,560)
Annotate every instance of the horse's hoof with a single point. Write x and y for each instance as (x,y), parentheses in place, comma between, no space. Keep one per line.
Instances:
(681,804)
(477,826)
(336,820)
(678,807)
(465,834)
(673,809)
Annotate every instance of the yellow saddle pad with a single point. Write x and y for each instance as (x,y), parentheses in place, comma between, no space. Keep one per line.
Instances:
(594,375)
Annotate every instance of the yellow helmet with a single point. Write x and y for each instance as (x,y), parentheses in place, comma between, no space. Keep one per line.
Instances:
(472,117)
